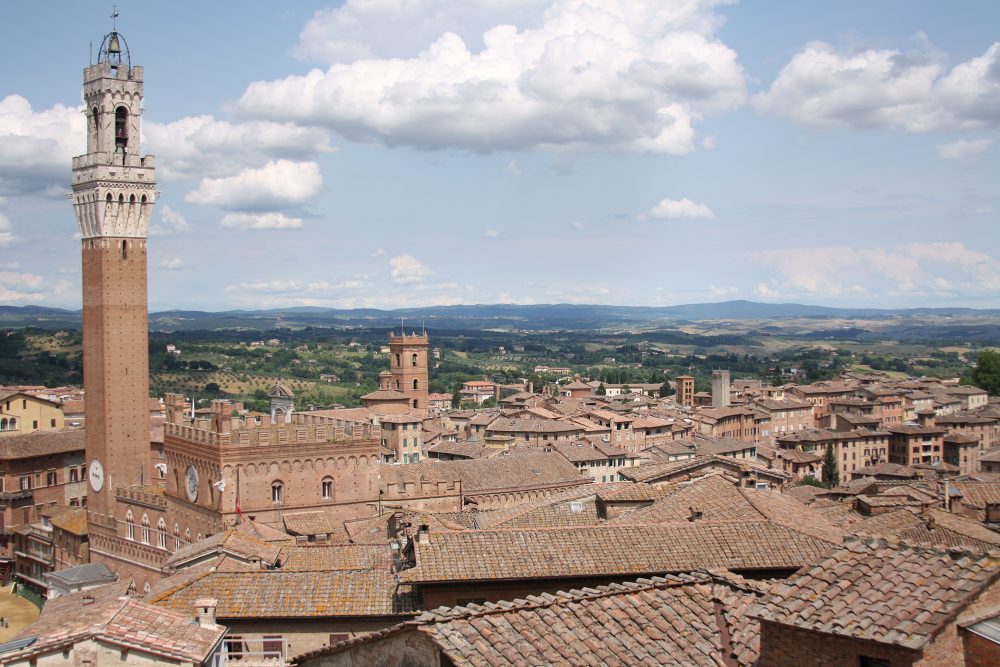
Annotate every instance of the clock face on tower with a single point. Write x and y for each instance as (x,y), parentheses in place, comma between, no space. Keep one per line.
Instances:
(192,483)
(96,475)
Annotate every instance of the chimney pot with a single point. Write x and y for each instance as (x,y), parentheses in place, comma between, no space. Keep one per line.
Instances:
(205,608)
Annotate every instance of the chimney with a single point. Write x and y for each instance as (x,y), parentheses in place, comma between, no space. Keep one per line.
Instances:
(423,535)
(205,607)
(695,515)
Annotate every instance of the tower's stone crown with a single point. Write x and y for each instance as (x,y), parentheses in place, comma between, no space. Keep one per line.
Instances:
(114,188)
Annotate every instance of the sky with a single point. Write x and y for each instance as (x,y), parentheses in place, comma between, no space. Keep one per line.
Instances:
(401,153)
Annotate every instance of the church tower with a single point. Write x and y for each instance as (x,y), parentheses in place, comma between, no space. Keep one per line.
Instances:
(408,365)
(113,193)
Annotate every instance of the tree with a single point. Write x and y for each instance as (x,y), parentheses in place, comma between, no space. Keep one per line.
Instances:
(212,388)
(666,390)
(987,372)
(601,391)
(831,476)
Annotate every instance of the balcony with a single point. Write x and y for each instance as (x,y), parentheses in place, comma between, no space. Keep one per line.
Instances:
(20,494)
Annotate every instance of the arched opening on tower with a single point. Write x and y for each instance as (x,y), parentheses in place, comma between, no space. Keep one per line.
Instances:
(121,127)
(414,359)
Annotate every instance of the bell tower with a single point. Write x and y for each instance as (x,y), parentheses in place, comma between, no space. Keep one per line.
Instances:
(113,193)
(408,367)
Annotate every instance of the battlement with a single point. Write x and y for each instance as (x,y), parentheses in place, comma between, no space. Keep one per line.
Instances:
(409,339)
(304,429)
(109,70)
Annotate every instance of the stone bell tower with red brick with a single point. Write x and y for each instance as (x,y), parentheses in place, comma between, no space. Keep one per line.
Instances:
(113,193)
(408,365)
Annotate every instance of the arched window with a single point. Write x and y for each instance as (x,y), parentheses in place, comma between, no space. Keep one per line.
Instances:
(121,127)
(414,402)
(416,384)
(12,424)
(177,537)
(187,535)
(145,588)
(414,358)
(108,198)
(327,487)
(3,424)
(398,385)
(277,492)
(145,529)
(161,533)
(129,525)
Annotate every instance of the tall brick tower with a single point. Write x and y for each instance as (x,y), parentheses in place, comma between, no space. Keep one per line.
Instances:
(113,194)
(408,365)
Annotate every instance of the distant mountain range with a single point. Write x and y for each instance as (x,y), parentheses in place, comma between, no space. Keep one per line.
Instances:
(484,316)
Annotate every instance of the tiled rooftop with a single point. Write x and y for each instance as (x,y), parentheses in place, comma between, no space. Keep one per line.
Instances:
(882,591)
(660,621)
(610,550)
(293,594)
(107,613)
(930,527)
(531,470)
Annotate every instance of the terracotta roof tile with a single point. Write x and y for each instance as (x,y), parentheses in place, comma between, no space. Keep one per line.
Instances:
(531,470)
(887,592)
(631,550)
(660,621)
(307,523)
(107,613)
(41,443)
(295,594)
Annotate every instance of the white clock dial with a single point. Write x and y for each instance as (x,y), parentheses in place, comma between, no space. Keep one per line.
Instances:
(192,483)
(96,475)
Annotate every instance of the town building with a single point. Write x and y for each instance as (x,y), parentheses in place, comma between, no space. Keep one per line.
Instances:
(21,412)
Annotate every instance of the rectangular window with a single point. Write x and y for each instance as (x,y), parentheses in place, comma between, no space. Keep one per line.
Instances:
(50,478)
(74,475)
(34,424)
(25,483)
(274,646)
(52,423)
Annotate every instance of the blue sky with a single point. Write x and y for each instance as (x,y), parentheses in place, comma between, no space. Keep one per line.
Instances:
(416,152)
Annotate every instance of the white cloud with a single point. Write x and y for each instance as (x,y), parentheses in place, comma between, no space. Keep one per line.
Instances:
(260,221)
(29,287)
(168,221)
(406,270)
(394,28)
(708,143)
(915,269)
(513,168)
(36,147)
(631,75)
(670,209)
(492,234)
(172,264)
(6,236)
(886,88)
(378,252)
(577,225)
(963,149)
(277,184)
(204,146)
